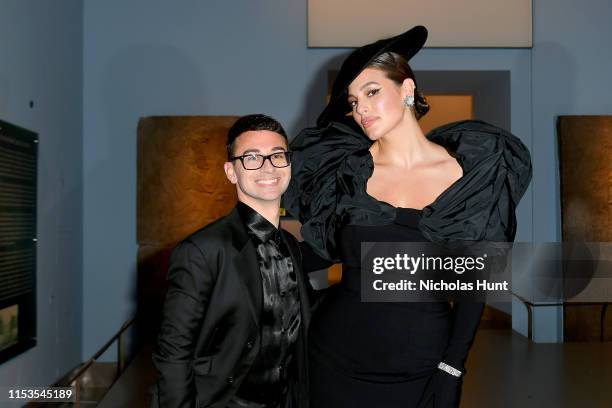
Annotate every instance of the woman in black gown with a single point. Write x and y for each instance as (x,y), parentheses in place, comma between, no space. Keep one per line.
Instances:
(374,177)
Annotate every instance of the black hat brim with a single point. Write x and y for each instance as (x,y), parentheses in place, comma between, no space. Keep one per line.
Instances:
(406,44)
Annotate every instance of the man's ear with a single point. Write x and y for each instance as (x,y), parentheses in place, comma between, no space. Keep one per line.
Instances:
(230,173)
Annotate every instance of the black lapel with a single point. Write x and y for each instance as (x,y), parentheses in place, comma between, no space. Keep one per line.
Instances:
(246,264)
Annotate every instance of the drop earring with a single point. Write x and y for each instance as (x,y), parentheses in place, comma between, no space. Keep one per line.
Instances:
(409,101)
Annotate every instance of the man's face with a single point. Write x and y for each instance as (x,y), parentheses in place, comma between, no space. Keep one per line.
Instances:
(266,184)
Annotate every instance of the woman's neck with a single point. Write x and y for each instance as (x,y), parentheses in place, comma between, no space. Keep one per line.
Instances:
(403,146)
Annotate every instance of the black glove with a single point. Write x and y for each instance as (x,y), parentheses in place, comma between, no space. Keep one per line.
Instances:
(442,391)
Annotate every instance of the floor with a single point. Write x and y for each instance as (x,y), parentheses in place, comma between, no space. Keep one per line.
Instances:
(504,370)
(507,370)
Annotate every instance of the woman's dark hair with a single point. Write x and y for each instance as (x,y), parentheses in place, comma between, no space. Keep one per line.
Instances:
(252,122)
(396,68)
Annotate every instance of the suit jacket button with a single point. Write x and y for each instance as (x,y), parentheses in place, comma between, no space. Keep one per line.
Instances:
(250,345)
(230,380)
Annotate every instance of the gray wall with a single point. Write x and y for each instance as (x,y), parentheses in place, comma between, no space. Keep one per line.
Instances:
(162,58)
(571,66)
(41,61)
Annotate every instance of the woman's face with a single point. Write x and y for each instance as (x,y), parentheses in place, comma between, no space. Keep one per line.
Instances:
(377,102)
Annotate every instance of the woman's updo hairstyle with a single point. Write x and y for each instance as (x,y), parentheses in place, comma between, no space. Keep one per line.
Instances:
(396,68)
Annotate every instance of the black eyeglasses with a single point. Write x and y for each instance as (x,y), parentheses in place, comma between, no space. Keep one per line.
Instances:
(254,161)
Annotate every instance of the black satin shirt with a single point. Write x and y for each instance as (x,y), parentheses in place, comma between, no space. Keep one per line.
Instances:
(280,314)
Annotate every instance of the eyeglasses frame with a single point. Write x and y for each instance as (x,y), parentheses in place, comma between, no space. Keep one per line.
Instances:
(265,157)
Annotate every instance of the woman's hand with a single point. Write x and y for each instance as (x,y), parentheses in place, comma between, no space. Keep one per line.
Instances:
(442,391)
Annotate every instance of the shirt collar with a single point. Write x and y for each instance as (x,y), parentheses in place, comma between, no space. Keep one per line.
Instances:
(256,224)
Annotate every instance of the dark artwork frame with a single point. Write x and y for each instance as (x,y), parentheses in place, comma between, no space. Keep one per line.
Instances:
(18,242)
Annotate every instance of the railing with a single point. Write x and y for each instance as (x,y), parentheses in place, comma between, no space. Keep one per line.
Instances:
(75,382)
(530,305)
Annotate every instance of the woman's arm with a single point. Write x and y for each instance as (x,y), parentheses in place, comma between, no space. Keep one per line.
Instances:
(466,318)
(444,388)
(312,262)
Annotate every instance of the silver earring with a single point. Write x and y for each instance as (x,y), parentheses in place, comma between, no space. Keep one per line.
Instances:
(409,101)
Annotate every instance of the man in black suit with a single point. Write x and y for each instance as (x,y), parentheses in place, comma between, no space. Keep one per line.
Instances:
(236,311)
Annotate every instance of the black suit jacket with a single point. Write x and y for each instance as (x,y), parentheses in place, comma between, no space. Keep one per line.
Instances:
(210,334)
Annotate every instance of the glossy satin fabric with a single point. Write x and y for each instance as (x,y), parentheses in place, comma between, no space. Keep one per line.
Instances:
(331,167)
(280,315)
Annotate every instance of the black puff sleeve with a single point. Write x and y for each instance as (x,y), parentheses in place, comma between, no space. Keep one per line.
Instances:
(312,196)
(497,171)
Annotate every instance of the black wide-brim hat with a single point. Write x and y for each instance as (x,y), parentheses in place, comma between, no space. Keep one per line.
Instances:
(406,44)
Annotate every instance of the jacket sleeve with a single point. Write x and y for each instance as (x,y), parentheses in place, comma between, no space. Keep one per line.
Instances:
(190,284)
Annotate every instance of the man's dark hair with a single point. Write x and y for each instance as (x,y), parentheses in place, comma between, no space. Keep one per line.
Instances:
(252,122)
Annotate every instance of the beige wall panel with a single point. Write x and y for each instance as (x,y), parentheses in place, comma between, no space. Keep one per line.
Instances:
(446,109)
(451,23)
(585,149)
(181,182)
(181,188)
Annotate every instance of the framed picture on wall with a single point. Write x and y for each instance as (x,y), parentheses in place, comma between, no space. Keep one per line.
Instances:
(467,23)
(9,330)
(18,186)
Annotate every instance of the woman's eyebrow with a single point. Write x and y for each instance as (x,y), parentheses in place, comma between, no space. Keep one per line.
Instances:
(366,84)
